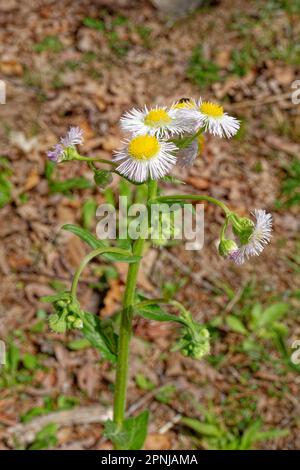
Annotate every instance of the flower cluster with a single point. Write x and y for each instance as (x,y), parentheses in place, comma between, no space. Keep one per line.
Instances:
(67,314)
(194,340)
(161,136)
(60,151)
(251,237)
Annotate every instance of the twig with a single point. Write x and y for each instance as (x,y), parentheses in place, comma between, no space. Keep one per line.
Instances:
(25,433)
(262,101)
(235,299)
(166,427)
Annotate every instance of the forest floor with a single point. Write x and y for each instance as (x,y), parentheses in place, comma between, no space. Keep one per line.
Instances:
(83,63)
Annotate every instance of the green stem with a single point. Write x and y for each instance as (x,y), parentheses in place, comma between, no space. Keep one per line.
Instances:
(88,258)
(126,326)
(192,197)
(94,159)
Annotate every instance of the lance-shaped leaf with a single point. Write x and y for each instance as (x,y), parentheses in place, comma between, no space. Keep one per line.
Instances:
(94,243)
(155,312)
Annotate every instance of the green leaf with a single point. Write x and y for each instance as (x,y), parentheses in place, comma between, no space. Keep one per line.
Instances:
(69,184)
(94,243)
(235,324)
(271,434)
(55,297)
(88,213)
(94,23)
(49,170)
(173,180)
(85,236)
(78,344)
(33,413)
(256,313)
(45,438)
(101,335)
(49,43)
(30,361)
(165,394)
(143,382)
(133,433)
(272,314)
(204,429)
(155,312)
(5,190)
(249,436)
(254,434)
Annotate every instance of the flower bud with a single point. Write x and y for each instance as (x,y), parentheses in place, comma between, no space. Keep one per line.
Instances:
(78,323)
(227,247)
(57,323)
(102,178)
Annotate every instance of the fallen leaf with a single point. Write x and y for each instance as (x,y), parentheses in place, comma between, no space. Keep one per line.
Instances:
(198,183)
(157,442)
(112,298)
(32,180)
(11,67)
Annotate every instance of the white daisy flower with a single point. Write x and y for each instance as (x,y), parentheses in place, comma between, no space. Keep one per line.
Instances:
(259,238)
(212,118)
(158,121)
(145,156)
(73,137)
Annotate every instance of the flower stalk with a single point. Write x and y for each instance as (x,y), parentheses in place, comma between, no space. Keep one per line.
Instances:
(126,325)
(159,138)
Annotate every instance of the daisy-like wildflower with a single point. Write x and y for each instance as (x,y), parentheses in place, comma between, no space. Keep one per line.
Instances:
(73,137)
(186,156)
(159,121)
(145,156)
(212,118)
(259,238)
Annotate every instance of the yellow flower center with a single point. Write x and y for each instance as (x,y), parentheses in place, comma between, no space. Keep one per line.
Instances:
(211,109)
(157,118)
(184,105)
(143,147)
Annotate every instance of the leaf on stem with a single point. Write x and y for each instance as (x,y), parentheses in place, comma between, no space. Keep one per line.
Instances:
(155,312)
(132,434)
(94,243)
(101,335)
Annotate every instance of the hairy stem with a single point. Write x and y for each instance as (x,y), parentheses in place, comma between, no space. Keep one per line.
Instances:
(88,258)
(95,159)
(192,197)
(126,325)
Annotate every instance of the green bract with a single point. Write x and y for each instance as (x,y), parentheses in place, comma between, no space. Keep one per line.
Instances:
(242,228)
(226,247)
